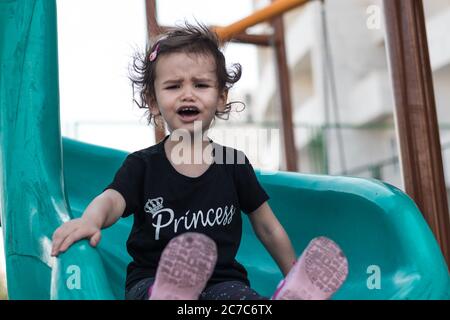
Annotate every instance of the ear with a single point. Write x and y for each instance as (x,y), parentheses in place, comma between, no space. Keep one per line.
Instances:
(223,98)
(153,106)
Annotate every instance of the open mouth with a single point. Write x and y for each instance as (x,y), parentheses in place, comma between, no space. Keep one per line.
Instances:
(188,113)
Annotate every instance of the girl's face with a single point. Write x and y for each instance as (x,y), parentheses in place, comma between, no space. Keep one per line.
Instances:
(187,91)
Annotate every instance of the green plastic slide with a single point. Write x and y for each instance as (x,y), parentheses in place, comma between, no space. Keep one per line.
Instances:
(391,251)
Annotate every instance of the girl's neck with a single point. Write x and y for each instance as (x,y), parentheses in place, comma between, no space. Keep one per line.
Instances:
(193,151)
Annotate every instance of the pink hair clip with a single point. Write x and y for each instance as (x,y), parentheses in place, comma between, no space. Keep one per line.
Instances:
(154,53)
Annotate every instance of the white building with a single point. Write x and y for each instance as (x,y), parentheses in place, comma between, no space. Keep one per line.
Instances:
(360,139)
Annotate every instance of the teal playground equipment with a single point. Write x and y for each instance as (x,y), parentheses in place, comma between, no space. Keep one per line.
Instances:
(46,180)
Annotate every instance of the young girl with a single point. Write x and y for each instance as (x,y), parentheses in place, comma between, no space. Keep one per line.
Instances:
(187,208)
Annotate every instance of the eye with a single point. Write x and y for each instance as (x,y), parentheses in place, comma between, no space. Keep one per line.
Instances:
(202,85)
(175,86)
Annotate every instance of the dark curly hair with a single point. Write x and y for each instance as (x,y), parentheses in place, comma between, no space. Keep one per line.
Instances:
(189,39)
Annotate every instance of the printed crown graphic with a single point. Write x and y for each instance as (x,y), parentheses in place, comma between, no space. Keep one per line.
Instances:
(153,205)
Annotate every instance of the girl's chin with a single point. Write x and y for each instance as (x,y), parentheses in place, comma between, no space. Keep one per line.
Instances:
(192,127)
(188,129)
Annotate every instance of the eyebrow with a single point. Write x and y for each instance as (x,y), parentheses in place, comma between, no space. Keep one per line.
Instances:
(195,79)
(172,81)
(203,79)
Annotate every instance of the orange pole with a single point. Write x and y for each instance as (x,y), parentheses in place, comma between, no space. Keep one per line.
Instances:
(275,9)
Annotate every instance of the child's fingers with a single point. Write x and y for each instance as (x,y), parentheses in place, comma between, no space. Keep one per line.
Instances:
(71,238)
(76,235)
(71,232)
(59,236)
(95,239)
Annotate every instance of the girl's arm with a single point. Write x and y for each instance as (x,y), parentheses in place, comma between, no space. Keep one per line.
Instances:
(273,236)
(105,209)
(101,213)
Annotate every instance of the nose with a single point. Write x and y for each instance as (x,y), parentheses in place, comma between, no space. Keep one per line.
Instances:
(188,94)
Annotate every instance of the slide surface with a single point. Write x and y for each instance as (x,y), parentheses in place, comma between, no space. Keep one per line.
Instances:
(391,251)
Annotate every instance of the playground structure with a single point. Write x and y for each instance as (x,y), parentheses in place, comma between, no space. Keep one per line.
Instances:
(38,193)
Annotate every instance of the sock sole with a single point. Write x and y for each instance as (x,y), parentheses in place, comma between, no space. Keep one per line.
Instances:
(317,275)
(185,267)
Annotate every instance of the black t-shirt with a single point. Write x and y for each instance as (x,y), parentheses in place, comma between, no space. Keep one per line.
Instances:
(166,203)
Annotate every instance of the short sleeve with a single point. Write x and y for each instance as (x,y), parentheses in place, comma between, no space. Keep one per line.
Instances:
(250,193)
(128,182)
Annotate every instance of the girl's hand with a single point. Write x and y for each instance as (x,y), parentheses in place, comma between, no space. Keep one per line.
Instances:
(72,231)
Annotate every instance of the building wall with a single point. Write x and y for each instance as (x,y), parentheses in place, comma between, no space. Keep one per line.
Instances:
(357,133)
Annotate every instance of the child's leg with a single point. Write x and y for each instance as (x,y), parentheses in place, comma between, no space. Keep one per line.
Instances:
(317,275)
(140,291)
(185,266)
(230,290)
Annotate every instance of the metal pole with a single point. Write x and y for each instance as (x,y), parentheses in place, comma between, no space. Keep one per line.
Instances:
(416,119)
(243,37)
(284,86)
(275,9)
(153,30)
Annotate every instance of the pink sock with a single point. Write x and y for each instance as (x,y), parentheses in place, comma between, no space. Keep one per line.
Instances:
(150,291)
(317,275)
